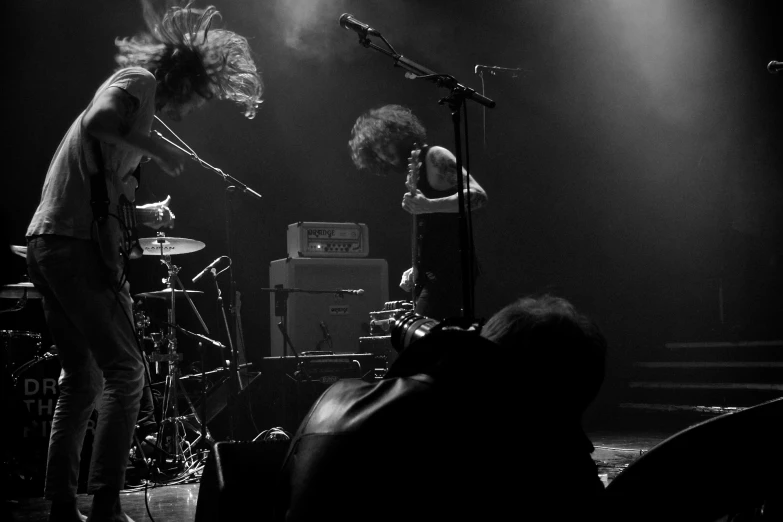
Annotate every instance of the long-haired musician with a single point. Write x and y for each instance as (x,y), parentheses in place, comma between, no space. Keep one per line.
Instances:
(381,140)
(182,61)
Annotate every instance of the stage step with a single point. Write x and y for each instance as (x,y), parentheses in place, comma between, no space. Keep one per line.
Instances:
(706,377)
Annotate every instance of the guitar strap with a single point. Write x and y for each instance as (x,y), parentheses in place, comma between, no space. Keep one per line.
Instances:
(99,194)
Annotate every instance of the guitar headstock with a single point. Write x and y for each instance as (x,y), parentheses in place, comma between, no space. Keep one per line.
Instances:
(414,165)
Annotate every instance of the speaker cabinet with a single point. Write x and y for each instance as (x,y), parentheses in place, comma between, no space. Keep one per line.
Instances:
(239,481)
(345,316)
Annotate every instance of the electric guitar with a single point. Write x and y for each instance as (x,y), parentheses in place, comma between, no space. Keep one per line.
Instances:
(117,235)
(411,183)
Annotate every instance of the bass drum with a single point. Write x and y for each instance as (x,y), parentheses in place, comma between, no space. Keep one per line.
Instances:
(19,347)
(32,398)
(30,401)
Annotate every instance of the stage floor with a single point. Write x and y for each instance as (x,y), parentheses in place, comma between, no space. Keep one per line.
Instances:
(615,449)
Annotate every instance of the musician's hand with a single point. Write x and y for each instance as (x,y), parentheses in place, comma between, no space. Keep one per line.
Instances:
(170,159)
(418,204)
(164,217)
(406,283)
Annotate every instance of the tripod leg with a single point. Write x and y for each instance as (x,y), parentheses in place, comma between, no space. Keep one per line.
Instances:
(141,450)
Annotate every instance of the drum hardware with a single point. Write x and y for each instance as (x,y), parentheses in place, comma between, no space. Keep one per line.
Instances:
(174,426)
(161,245)
(35,360)
(19,347)
(30,405)
(167,293)
(19,250)
(232,187)
(21,292)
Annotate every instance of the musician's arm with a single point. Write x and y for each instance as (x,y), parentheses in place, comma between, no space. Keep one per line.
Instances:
(442,175)
(107,119)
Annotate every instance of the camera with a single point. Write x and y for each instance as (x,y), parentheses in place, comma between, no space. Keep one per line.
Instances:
(408,327)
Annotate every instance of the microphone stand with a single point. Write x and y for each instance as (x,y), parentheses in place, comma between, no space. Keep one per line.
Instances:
(456,100)
(232,185)
(233,373)
(202,420)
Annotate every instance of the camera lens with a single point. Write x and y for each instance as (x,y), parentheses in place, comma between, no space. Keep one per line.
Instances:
(409,327)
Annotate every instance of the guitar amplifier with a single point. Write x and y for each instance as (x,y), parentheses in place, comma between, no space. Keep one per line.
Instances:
(293,384)
(331,320)
(315,239)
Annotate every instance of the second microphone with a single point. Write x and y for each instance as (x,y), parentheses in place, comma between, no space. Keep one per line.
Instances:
(212,267)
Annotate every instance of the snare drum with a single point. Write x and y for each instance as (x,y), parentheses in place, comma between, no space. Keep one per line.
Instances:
(19,347)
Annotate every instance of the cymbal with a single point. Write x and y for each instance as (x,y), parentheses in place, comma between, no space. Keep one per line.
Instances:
(19,291)
(170,246)
(166,294)
(19,250)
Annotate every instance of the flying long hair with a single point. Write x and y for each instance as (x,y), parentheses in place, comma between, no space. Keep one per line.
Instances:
(188,56)
(379,128)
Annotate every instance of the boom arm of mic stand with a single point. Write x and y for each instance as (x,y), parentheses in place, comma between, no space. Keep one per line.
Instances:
(196,336)
(423,73)
(227,177)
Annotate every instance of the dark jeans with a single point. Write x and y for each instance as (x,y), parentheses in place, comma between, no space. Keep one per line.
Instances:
(441,295)
(102,367)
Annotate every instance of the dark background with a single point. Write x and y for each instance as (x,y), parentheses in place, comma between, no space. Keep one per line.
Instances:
(635,169)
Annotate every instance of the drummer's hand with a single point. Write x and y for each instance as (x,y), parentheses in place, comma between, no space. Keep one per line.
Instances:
(163,216)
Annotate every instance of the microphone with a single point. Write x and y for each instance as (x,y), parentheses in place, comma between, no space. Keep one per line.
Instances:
(347,21)
(216,344)
(354,292)
(495,70)
(209,268)
(774,67)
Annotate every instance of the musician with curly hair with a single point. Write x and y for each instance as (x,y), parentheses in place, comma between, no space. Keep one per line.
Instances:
(182,61)
(381,140)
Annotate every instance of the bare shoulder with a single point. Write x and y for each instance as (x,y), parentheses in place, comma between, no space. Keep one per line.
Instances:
(440,157)
(441,168)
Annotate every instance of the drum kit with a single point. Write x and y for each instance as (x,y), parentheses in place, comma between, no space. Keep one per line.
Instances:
(30,373)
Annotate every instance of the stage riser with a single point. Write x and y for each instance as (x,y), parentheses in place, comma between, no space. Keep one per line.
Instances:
(689,397)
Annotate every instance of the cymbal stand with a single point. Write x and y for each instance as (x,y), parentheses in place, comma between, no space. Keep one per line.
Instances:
(233,185)
(170,416)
